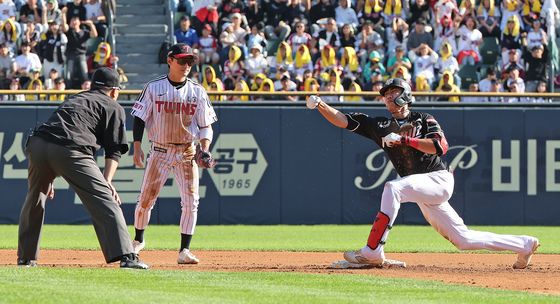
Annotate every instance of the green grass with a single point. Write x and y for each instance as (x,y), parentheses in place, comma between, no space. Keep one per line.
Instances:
(110,285)
(277,238)
(64,285)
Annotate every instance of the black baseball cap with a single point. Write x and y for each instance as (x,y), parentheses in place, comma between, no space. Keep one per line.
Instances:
(105,77)
(180,50)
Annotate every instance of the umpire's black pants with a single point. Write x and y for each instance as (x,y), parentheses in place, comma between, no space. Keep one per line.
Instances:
(47,161)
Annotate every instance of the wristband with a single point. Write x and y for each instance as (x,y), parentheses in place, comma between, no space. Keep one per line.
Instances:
(410,141)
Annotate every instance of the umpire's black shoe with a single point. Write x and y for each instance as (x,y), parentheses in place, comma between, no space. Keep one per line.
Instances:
(26,263)
(131,261)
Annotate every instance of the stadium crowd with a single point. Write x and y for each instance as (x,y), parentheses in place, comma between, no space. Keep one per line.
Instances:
(297,45)
(354,45)
(44,45)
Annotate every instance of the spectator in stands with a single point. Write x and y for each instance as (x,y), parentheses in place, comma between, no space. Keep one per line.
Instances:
(345,14)
(15,85)
(322,9)
(541,88)
(208,46)
(537,64)
(326,62)
(511,38)
(486,9)
(52,12)
(510,8)
(266,86)
(350,64)
(328,36)
(354,87)
(419,9)
(495,87)
(209,76)
(299,37)
(50,79)
(30,11)
(256,82)
(347,38)
(365,41)
(76,62)
(302,61)
(241,86)
(297,12)
(229,7)
(7,66)
(234,67)
(284,59)
(254,12)
(102,57)
(513,60)
(446,84)
(334,80)
(446,33)
(422,85)
(311,85)
(514,87)
(32,34)
(86,85)
(7,10)
(393,9)
(473,88)
(95,14)
(52,48)
(489,27)
(227,39)
(467,9)
(514,78)
(397,60)
(240,33)
(531,11)
(216,86)
(36,85)
(447,62)
(276,20)
(536,36)
(26,63)
(186,34)
(445,8)
(256,63)
(9,35)
(286,85)
(206,11)
(73,9)
(419,36)
(257,36)
(374,68)
(469,40)
(424,60)
(123,79)
(485,85)
(59,85)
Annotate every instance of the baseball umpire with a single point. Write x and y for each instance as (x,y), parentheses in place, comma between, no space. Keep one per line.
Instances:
(176,112)
(415,142)
(65,146)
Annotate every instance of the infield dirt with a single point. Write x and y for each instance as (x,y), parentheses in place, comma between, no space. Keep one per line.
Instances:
(474,269)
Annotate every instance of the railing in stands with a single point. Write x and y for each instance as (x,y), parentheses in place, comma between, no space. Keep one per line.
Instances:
(110,27)
(171,21)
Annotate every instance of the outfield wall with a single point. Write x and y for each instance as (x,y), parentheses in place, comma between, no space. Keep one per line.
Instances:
(287,165)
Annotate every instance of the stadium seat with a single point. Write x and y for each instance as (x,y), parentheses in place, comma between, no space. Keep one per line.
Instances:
(489,50)
(468,74)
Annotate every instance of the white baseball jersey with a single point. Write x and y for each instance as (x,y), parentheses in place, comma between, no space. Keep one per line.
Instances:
(168,111)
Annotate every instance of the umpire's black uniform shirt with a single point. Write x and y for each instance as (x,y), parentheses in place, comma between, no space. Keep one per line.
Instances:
(87,122)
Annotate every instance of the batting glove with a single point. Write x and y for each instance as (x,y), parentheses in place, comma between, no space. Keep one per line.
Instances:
(390,139)
(313,101)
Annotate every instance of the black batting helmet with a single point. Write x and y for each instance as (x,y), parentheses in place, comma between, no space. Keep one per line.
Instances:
(405,97)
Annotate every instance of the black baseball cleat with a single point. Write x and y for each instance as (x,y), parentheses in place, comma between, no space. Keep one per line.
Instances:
(26,263)
(131,261)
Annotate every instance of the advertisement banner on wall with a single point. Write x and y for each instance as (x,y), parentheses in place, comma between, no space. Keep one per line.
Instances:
(287,165)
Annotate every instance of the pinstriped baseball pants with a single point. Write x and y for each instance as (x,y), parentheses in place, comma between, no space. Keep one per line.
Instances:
(161,160)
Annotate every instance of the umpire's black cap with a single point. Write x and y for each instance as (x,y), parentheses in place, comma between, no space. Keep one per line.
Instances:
(105,77)
(180,50)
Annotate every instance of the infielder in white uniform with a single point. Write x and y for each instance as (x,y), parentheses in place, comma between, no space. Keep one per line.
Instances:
(414,142)
(176,111)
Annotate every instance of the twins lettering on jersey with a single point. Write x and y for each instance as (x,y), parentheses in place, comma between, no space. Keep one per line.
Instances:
(175,107)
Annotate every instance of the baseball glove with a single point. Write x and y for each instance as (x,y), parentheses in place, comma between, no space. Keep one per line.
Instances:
(204,159)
